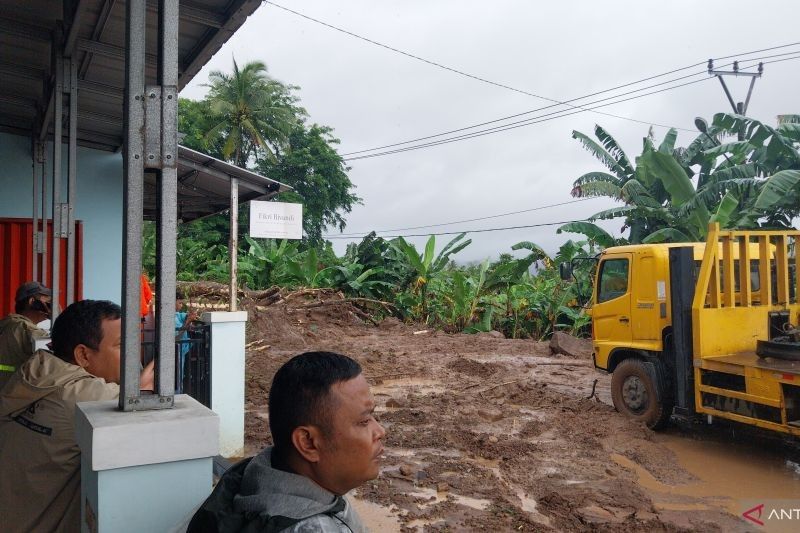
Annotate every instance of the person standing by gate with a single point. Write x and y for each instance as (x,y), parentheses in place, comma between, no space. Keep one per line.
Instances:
(18,331)
(183,321)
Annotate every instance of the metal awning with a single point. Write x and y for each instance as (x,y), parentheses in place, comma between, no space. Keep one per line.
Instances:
(94,35)
(204,186)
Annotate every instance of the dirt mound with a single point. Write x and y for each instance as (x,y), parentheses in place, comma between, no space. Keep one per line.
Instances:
(483,433)
(471,367)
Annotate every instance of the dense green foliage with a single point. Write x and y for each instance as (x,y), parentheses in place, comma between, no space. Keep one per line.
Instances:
(672,194)
(422,287)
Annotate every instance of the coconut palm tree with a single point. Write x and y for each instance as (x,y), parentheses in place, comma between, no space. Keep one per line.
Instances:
(254,113)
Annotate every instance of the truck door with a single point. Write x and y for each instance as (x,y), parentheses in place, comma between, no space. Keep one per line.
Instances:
(645,303)
(611,313)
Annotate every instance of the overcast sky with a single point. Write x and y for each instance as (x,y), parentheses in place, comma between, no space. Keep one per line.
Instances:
(560,50)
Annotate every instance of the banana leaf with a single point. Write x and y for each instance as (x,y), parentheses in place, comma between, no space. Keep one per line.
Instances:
(777,189)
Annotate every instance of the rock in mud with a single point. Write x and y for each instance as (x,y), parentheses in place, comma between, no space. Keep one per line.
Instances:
(442,487)
(395,403)
(597,515)
(494,334)
(564,344)
(390,322)
(492,415)
(406,470)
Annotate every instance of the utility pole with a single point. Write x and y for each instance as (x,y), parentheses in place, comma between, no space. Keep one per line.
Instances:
(739,108)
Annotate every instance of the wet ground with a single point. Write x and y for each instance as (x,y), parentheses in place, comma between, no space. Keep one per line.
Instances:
(486,433)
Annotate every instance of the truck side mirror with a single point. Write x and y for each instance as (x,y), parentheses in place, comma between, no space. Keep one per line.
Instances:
(565,271)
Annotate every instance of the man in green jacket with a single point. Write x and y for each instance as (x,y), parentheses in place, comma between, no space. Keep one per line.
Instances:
(40,460)
(18,331)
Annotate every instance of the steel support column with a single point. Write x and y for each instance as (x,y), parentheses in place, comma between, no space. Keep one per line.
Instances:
(233,244)
(167,221)
(35,210)
(151,141)
(58,113)
(72,176)
(133,179)
(43,235)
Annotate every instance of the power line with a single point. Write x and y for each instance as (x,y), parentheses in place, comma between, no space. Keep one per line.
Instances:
(758,51)
(474,219)
(534,120)
(527,113)
(501,119)
(514,125)
(451,69)
(465,231)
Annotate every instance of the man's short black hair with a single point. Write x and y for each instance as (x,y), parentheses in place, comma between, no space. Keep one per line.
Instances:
(300,394)
(81,323)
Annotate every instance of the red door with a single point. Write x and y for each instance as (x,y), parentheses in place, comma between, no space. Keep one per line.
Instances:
(16,260)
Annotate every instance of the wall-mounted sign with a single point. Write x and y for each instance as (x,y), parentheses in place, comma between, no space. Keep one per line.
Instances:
(276,220)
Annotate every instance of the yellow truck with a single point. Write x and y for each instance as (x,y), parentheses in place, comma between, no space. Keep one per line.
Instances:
(702,328)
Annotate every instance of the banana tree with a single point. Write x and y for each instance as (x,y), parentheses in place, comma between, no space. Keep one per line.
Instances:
(428,265)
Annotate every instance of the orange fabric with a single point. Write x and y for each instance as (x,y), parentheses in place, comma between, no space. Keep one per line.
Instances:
(146,297)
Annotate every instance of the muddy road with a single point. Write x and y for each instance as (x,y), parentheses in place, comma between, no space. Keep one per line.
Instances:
(486,433)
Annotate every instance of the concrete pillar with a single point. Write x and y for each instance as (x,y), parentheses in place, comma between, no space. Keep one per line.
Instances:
(144,470)
(227,378)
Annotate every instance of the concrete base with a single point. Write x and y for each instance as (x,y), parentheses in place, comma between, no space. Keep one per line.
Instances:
(227,377)
(144,470)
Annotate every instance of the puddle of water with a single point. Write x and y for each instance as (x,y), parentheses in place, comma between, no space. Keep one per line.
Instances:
(375,517)
(435,497)
(727,472)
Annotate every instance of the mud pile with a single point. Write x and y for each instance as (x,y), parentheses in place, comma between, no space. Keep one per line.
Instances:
(483,433)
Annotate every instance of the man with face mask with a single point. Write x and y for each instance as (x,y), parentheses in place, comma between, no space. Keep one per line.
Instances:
(18,331)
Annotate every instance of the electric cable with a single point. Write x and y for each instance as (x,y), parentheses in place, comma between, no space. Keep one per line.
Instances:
(514,125)
(485,230)
(474,219)
(556,105)
(497,84)
(445,67)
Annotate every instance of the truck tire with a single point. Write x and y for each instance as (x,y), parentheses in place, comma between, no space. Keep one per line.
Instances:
(637,393)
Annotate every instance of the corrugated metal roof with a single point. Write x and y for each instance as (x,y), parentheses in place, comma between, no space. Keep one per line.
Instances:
(28,27)
(204,186)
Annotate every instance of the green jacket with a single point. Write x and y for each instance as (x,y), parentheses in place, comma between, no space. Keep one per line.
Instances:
(17,343)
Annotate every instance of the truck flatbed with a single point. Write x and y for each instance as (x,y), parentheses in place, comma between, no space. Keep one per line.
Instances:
(750,359)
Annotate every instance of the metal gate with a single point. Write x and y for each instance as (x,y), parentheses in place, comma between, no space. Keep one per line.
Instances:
(192,361)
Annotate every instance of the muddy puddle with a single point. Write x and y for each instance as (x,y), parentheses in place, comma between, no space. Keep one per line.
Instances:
(735,472)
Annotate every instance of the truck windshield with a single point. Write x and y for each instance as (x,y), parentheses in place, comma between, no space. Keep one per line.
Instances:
(613,279)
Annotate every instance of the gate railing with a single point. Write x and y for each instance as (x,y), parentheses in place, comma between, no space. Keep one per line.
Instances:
(192,361)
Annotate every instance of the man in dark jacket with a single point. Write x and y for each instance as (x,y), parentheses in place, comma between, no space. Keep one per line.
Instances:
(326,443)
(18,331)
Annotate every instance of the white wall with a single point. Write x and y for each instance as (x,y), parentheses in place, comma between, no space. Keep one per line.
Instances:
(99,206)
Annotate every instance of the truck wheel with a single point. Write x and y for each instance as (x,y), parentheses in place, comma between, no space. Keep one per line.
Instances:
(635,392)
